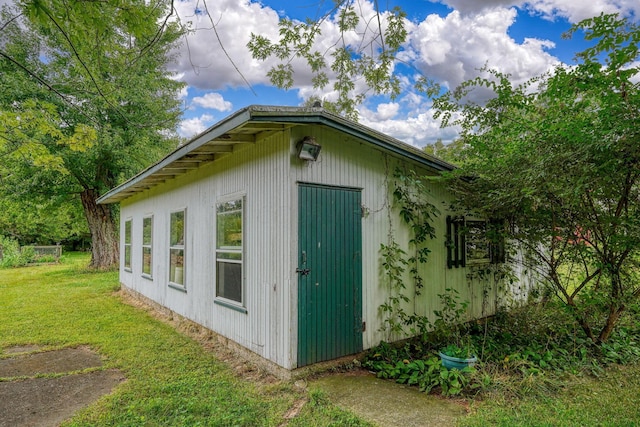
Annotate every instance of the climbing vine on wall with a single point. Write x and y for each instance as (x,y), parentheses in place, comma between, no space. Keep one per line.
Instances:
(410,199)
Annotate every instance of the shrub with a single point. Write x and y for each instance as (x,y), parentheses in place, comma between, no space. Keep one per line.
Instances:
(12,256)
(428,374)
(531,348)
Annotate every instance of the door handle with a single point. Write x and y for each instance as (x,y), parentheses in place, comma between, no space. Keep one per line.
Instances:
(303,271)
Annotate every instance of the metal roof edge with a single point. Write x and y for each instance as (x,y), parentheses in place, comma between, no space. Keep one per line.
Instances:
(306,115)
(223,126)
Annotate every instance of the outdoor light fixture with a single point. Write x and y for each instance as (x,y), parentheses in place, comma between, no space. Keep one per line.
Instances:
(308,149)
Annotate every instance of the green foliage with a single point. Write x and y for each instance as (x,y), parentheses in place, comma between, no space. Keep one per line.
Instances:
(455,350)
(532,350)
(12,256)
(453,152)
(558,158)
(427,374)
(119,80)
(448,327)
(393,266)
(43,220)
(85,101)
(372,58)
(607,400)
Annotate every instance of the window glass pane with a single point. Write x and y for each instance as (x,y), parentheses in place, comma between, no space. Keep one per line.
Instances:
(127,256)
(231,206)
(127,231)
(234,256)
(229,250)
(176,266)
(146,260)
(177,228)
(229,281)
(229,229)
(147,228)
(478,247)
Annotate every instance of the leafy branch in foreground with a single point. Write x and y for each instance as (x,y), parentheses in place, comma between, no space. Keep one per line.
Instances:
(559,158)
(365,50)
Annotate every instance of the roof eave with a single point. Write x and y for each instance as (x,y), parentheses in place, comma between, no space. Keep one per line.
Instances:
(220,128)
(291,115)
(375,138)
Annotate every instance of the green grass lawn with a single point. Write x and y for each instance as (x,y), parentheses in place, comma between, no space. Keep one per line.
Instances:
(171,379)
(610,400)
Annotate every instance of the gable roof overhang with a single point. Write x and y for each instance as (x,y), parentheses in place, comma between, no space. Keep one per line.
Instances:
(249,125)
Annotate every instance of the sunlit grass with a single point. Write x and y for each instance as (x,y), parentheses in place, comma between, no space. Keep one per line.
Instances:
(171,379)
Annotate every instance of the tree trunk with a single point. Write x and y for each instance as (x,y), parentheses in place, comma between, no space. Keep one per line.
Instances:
(102,226)
(612,320)
(616,307)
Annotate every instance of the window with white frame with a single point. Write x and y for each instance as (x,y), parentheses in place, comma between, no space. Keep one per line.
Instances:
(127,244)
(229,254)
(177,248)
(147,246)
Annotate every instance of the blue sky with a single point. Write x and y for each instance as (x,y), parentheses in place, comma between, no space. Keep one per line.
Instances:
(449,41)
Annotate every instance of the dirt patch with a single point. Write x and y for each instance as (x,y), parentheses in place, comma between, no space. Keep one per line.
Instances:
(28,399)
(49,362)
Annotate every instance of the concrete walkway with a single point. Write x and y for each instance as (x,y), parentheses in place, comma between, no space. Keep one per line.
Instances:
(43,388)
(386,403)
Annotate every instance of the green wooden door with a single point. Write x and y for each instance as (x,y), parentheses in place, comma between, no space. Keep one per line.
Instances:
(329,273)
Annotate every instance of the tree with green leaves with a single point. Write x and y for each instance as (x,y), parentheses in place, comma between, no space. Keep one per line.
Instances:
(85,101)
(44,222)
(452,152)
(558,158)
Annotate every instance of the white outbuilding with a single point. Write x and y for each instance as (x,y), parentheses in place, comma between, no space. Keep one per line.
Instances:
(266,229)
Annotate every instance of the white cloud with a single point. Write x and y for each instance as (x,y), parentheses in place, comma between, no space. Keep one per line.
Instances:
(572,10)
(636,78)
(183,93)
(575,11)
(211,63)
(206,61)
(213,101)
(387,111)
(454,48)
(475,6)
(418,130)
(193,126)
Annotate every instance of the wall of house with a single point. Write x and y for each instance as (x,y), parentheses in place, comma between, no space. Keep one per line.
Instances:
(259,172)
